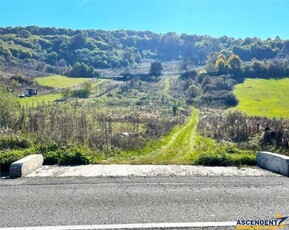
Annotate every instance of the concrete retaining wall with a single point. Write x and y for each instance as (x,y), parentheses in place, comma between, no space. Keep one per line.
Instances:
(25,166)
(274,162)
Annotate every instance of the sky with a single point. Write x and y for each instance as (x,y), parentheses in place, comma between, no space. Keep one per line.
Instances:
(234,18)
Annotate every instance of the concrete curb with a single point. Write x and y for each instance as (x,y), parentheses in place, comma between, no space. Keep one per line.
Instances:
(273,162)
(25,166)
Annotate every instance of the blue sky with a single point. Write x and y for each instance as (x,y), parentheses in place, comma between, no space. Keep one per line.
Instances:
(236,18)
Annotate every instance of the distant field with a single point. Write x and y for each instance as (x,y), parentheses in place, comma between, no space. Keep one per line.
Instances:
(34,101)
(59,81)
(260,97)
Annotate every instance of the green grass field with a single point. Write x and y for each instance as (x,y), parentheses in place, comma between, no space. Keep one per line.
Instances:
(267,98)
(39,100)
(59,81)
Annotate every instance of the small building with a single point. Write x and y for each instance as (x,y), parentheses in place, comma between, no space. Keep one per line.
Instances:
(30,92)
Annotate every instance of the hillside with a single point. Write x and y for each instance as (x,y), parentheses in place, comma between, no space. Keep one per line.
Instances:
(56,49)
(135,97)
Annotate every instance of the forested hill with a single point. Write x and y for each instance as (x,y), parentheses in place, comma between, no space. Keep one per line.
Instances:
(48,47)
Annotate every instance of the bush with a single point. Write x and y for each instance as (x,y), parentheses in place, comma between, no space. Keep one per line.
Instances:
(231,100)
(227,157)
(80,93)
(82,70)
(45,148)
(218,158)
(66,157)
(22,80)
(8,157)
(188,75)
(52,158)
(11,142)
(244,159)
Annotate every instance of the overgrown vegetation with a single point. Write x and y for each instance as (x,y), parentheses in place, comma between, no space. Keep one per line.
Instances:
(142,113)
(248,133)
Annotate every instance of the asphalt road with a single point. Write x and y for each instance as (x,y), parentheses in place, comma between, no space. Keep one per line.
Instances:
(92,201)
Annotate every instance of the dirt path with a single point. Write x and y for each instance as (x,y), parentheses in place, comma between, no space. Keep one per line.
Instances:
(182,142)
(179,145)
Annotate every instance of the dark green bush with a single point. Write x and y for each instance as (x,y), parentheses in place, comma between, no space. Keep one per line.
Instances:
(66,157)
(189,74)
(45,148)
(81,93)
(227,157)
(12,142)
(218,158)
(243,159)
(8,157)
(52,158)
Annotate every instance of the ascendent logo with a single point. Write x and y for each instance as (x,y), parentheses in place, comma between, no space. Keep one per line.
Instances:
(277,223)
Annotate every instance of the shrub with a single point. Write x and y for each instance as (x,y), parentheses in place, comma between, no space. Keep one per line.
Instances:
(227,157)
(218,158)
(188,74)
(22,80)
(244,159)
(82,70)
(45,148)
(80,93)
(51,158)
(8,157)
(11,142)
(231,100)
(66,157)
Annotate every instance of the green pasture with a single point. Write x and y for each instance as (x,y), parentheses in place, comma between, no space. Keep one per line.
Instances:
(39,100)
(267,98)
(56,81)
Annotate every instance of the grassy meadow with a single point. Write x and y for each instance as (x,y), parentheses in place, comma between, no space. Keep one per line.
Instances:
(56,81)
(266,98)
(38,100)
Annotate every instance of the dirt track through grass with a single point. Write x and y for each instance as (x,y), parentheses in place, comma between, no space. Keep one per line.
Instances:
(179,144)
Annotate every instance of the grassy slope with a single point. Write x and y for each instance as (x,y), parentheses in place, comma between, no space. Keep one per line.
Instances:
(259,97)
(59,81)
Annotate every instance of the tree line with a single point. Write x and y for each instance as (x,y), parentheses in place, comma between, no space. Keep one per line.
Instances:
(48,48)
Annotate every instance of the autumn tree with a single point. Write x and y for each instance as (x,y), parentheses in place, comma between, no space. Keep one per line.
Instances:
(234,62)
(221,62)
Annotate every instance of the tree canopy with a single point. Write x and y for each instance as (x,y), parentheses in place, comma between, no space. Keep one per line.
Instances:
(113,49)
